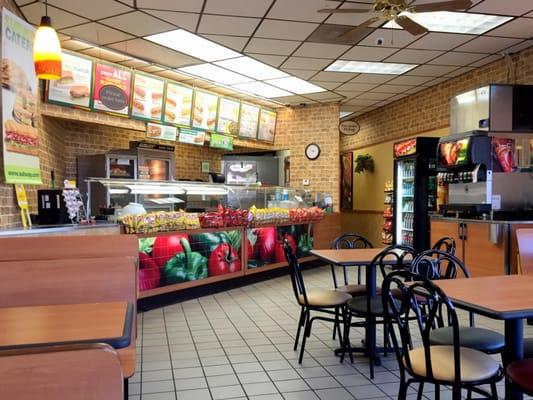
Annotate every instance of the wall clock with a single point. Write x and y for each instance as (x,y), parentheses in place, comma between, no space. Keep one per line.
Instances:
(312,151)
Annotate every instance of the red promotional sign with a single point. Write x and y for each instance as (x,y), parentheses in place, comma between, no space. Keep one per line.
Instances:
(405,148)
(112,89)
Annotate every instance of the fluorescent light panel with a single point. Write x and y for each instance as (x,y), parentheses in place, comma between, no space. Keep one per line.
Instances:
(261,89)
(454,22)
(215,74)
(252,68)
(193,45)
(295,85)
(370,67)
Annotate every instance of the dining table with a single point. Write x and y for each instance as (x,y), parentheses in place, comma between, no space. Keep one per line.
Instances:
(353,258)
(508,298)
(64,324)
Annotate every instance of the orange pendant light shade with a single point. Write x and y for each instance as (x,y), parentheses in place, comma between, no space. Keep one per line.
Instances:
(47,51)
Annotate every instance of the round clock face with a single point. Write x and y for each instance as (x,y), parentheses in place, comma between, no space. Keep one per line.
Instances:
(312,151)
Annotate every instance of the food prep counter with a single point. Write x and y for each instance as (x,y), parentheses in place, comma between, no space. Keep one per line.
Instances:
(66,229)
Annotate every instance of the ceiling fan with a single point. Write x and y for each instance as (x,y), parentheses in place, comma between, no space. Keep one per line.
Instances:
(390,10)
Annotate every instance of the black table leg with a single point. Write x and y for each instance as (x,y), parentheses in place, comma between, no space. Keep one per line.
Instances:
(370,332)
(514,350)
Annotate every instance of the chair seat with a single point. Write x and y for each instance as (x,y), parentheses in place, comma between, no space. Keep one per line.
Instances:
(520,373)
(475,365)
(358,305)
(479,339)
(355,290)
(325,298)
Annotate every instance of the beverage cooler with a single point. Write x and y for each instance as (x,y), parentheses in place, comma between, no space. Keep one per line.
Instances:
(415,191)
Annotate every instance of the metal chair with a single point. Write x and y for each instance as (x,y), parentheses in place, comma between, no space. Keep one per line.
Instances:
(452,365)
(437,264)
(329,302)
(370,307)
(446,244)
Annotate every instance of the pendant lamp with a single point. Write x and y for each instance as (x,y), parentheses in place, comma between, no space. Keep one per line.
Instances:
(46,49)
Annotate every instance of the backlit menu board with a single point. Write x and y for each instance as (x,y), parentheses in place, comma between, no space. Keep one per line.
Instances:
(249,121)
(267,125)
(74,86)
(112,88)
(205,110)
(178,104)
(228,116)
(147,101)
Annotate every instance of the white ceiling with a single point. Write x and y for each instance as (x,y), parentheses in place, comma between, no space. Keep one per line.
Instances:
(276,32)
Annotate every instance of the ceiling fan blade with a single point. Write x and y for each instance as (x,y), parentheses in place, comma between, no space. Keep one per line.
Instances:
(344,11)
(451,5)
(362,26)
(414,28)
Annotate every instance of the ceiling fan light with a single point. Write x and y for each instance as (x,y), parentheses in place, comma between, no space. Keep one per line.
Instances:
(47,51)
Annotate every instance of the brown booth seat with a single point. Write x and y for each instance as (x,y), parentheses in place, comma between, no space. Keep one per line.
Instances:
(324,298)
(475,365)
(520,373)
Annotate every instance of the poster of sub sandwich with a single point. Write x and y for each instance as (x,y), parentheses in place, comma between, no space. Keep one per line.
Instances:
(267,125)
(19,102)
(205,110)
(248,121)
(112,88)
(74,86)
(147,100)
(178,105)
(228,116)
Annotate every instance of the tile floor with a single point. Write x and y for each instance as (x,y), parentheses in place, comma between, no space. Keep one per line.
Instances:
(238,345)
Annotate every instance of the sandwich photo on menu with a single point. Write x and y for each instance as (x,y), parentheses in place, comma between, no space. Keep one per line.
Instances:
(22,139)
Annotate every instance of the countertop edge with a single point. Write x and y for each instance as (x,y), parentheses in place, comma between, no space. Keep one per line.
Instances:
(435,217)
(55,229)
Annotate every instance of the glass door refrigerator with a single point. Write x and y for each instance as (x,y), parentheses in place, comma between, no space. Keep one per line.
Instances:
(415,191)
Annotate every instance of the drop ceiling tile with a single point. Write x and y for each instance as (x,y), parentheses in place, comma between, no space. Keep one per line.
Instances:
(440,41)
(431,70)
(435,81)
(135,63)
(460,71)
(233,42)
(315,64)
(61,19)
(97,33)
(138,23)
(321,50)
(457,58)
(488,45)
(383,103)
(293,100)
(376,96)
(153,52)
(517,28)
(357,87)
(386,88)
(74,45)
(326,85)
(391,38)
(94,9)
(351,19)
(372,78)
(270,46)
(399,96)
(324,96)
(520,46)
(301,10)
(104,54)
(416,89)
(180,19)
(337,34)
(412,56)
(172,5)
(152,68)
(410,80)
(367,53)
(245,8)
(275,61)
(334,76)
(300,73)
(176,76)
(516,7)
(274,29)
(349,94)
(361,102)
(225,25)
(486,60)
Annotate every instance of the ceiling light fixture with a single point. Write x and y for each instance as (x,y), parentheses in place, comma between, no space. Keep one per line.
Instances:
(46,49)
(261,89)
(192,45)
(454,22)
(295,85)
(216,74)
(252,68)
(370,67)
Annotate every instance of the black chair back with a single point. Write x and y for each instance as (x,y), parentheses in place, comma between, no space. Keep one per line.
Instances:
(423,304)
(351,241)
(394,258)
(438,264)
(446,244)
(297,280)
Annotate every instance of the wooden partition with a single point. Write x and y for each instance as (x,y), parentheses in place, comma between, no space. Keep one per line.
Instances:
(524,238)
